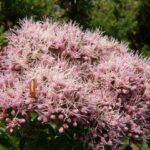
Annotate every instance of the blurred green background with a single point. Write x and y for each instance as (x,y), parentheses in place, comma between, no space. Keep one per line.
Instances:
(125,20)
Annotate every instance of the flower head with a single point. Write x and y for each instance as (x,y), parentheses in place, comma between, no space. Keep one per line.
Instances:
(73,78)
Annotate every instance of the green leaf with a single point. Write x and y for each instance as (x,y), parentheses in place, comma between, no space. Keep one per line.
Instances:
(53,125)
(145,147)
(2,131)
(134,147)
(33,116)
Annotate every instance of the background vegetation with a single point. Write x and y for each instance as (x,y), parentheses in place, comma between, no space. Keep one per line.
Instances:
(125,20)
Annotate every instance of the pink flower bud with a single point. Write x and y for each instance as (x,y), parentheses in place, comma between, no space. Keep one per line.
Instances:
(125,91)
(52,117)
(125,129)
(61,117)
(40,118)
(16,67)
(61,130)
(133,88)
(22,120)
(7,119)
(13,113)
(45,119)
(75,124)
(69,120)
(11,130)
(65,126)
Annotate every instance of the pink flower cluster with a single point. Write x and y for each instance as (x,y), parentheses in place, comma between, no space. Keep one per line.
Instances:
(73,78)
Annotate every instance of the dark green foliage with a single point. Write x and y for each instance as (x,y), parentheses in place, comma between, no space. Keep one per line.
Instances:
(76,10)
(116,17)
(143,33)
(2,36)
(34,136)
(13,10)
(7,142)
